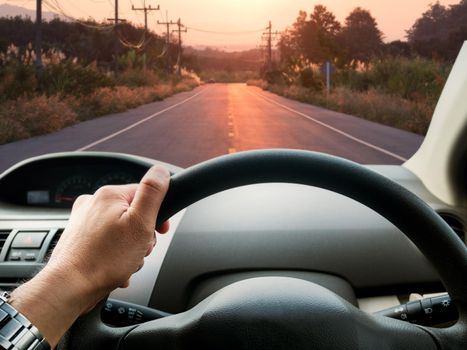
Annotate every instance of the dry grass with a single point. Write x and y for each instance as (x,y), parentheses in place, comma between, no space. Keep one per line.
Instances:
(27,117)
(372,105)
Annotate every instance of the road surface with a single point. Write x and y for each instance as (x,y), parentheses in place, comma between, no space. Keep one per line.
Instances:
(217,119)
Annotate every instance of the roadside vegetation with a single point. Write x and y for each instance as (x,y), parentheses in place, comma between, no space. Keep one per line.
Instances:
(70,89)
(224,67)
(396,83)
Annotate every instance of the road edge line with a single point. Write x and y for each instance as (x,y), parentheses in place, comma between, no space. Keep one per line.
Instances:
(343,133)
(111,136)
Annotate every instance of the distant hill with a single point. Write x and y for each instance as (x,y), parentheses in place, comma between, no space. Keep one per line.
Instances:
(7,10)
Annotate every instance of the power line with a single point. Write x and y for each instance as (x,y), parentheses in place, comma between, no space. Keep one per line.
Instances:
(54,6)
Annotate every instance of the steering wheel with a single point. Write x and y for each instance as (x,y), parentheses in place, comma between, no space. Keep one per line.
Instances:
(286,313)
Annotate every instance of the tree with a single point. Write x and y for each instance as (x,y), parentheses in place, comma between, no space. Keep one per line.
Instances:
(440,31)
(361,37)
(311,39)
(431,25)
(326,28)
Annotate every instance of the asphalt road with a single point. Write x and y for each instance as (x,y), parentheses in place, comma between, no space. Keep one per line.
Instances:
(217,119)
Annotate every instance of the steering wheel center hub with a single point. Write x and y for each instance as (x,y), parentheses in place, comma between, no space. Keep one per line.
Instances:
(274,313)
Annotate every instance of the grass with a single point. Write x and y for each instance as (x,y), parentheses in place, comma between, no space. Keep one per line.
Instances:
(391,110)
(30,116)
(67,92)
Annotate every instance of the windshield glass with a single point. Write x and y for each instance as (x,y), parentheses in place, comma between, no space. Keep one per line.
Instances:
(184,81)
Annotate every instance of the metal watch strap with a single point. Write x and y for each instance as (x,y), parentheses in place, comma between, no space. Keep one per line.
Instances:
(16,332)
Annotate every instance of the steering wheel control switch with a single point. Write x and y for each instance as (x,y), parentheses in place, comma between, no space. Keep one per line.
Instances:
(119,313)
(428,311)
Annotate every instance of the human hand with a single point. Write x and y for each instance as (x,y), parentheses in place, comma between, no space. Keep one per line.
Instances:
(105,242)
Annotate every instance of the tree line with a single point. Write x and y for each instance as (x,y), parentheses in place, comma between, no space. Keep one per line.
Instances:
(318,37)
(89,42)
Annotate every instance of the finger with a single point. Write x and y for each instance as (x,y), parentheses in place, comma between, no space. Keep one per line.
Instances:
(151,245)
(164,228)
(151,192)
(81,200)
(126,284)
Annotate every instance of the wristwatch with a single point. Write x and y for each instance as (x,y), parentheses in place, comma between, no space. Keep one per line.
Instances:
(16,332)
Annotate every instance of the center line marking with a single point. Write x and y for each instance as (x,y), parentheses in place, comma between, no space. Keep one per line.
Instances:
(231,134)
(343,133)
(111,136)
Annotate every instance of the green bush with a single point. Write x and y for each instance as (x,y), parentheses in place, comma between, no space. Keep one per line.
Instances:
(17,80)
(412,79)
(372,105)
(308,79)
(72,79)
(137,77)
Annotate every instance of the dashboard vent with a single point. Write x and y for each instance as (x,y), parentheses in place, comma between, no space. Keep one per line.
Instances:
(455,223)
(53,244)
(3,237)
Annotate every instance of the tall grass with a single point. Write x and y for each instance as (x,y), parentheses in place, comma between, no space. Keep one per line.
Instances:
(27,117)
(371,105)
(398,92)
(67,92)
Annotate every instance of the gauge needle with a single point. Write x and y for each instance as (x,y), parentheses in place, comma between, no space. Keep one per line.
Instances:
(64,198)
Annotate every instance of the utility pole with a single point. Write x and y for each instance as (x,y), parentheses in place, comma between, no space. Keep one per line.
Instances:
(146,10)
(116,12)
(179,30)
(38,46)
(270,36)
(167,40)
(116,19)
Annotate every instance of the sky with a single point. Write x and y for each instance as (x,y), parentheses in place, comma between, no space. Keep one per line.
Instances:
(393,16)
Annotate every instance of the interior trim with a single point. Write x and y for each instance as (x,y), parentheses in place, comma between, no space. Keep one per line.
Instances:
(142,283)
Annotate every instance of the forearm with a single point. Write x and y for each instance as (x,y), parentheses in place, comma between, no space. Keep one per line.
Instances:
(52,301)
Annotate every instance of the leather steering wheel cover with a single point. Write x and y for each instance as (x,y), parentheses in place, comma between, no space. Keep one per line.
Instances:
(420,223)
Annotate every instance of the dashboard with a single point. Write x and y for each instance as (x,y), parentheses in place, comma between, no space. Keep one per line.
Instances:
(310,233)
(59,182)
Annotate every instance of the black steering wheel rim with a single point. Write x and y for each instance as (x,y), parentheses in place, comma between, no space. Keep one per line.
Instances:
(421,224)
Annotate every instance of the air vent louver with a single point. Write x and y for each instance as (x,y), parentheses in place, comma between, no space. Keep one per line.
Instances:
(53,244)
(3,237)
(455,223)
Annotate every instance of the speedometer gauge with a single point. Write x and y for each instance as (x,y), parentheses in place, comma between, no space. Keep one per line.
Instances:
(71,188)
(118,178)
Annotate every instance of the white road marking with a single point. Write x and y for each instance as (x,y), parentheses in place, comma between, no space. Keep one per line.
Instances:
(356,139)
(111,136)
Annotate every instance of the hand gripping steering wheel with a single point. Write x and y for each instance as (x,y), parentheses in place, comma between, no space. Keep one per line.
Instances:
(286,313)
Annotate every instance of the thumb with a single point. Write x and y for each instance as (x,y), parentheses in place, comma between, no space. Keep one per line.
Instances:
(151,192)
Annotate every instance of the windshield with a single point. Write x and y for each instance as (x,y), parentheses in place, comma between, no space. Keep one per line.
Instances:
(184,81)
